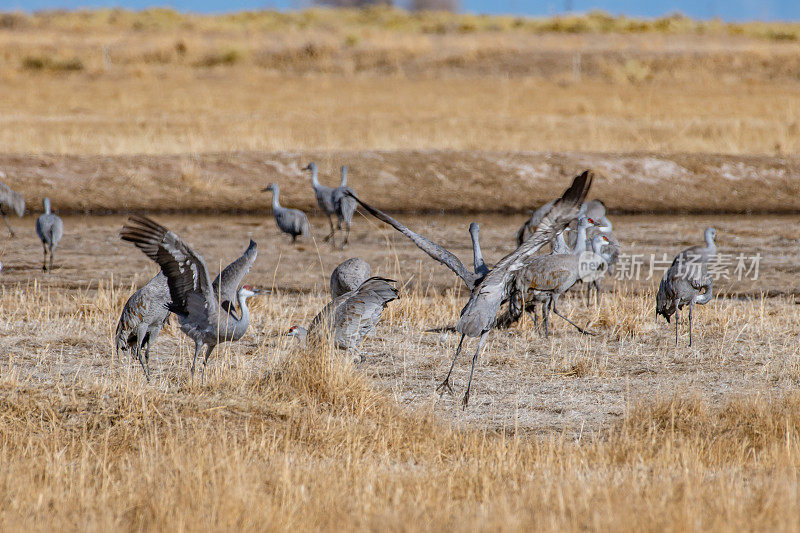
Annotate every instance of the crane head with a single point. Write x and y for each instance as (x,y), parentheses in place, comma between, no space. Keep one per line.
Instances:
(311,166)
(296,331)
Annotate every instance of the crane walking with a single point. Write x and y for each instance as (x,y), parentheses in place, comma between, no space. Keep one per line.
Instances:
(687,282)
(324,197)
(201,315)
(10,199)
(290,221)
(344,206)
(49,228)
(144,316)
(490,290)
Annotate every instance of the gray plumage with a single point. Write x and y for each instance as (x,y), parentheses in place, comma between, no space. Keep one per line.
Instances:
(687,282)
(548,277)
(226,284)
(344,206)
(348,318)
(49,228)
(348,276)
(487,293)
(145,313)
(10,200)
(193,299)
(290,221)
(324,197)
(530,225)
(610,252)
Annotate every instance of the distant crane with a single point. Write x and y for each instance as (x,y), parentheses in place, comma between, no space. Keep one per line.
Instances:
(49,228)
(687,282)
(351,316)
(488,292)
(610,253)
(348,276)
(290,221)
(201,316)
(12,200)
(324,197)
(344,206)
(144,316)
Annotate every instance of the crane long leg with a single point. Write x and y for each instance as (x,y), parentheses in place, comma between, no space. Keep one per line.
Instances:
(52,253)
(346,234)
(691,305)
(472,370)
(140,333)
(209,349)
(677,319)
(5,219)
(197,348)
(328,236)
(445,385)
(546,317)
(44,259)
(583,331)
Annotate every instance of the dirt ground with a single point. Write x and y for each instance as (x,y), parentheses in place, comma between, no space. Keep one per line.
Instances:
(744,344)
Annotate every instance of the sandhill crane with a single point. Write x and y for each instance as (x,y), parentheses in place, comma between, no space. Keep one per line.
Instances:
(687,282)
(549,276)
(351,316)
(609,251)
(324,197)
(489,291)
(348,276)
(49,228)
(290,221)
(344,206)
(530,225)
(12,200)
(145,313)
(202,318)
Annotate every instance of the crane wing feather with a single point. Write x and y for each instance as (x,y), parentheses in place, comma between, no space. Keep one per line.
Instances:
(226,284)
(186,271)
(436,251)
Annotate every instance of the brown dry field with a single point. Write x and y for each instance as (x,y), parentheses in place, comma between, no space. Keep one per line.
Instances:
(443,119)
(621,430)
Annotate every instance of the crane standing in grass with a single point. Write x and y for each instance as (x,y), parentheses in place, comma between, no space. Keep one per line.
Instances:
(144,316)
(687,282)
(489,291)
(49,228)
(324,197)
(290,221)
(12,200)
(201,314)
(344,206)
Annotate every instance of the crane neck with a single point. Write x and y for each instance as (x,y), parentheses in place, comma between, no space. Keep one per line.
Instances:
(344,177)
(46,204)
(561,246)
(477,256)
(580,242)
(243,321)
(275,201)
(314,180)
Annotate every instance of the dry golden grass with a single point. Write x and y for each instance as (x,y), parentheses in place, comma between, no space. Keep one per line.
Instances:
(112,82)
(277,437)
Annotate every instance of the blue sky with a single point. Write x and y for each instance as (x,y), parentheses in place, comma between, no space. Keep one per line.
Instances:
(733,10)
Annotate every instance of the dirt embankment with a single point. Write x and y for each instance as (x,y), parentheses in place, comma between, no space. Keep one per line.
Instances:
(406,181)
